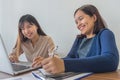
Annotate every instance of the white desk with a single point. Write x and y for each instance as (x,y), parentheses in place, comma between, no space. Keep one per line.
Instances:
(24,76)
(29,76)
(5,76)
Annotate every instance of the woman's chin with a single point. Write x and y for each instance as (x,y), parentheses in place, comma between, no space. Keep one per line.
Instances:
(83,33)
(29,37)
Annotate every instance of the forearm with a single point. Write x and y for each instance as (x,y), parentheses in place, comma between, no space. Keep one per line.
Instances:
(103,63)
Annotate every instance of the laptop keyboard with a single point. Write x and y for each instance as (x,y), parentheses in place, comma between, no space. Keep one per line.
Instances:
(17,67)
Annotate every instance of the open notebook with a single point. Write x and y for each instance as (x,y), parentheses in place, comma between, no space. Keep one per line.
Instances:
(66,75)
(8,67)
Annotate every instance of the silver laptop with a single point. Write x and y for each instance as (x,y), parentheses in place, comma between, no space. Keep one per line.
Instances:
(8,67)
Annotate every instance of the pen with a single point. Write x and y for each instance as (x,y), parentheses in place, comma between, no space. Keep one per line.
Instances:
(37,76)
(51,54)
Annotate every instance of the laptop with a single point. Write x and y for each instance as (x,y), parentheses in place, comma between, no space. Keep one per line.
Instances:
(8,67)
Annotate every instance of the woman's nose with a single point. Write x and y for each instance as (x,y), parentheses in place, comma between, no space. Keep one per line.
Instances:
(79,23)
(26,30)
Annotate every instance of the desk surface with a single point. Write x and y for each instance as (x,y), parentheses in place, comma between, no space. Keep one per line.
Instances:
(4,75)
(104,76)
(99,76)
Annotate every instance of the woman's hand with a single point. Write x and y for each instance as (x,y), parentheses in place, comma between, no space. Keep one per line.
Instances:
(37,62)
(54,65)
(13,58)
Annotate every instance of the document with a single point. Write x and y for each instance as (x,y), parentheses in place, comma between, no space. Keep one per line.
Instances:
(34,75)
(72,76)
(65,76)
(78,76)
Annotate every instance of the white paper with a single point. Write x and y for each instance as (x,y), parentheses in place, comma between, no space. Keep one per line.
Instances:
(29,76)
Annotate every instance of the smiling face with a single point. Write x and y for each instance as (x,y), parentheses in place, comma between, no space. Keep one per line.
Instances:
(29,30)
(85,23)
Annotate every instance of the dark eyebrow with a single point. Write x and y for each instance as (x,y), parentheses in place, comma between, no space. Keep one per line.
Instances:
(80,17)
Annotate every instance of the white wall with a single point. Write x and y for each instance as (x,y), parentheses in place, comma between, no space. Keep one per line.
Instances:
(0,15)
(56,19)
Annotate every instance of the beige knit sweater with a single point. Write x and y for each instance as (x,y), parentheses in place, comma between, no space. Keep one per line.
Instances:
(41,48)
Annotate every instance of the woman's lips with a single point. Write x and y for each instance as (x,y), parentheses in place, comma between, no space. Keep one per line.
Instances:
(81,27)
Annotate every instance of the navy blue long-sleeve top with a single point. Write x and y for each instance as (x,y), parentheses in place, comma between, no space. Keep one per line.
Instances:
(102,57)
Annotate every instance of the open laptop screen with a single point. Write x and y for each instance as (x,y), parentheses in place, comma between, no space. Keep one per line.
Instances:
(8,67)
(5,65)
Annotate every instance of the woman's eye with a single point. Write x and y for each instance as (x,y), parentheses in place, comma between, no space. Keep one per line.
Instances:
(22,28)
(80,18)
(29,27)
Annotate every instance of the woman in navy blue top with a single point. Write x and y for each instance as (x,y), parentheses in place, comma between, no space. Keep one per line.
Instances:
(94,50)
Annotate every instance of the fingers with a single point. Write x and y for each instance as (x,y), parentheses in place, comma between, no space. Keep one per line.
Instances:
(53,65)
(13,58)
(37,58)
(48,65)
(37,62)
(50,68)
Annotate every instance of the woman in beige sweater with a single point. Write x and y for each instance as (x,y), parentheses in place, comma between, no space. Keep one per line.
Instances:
(31,41)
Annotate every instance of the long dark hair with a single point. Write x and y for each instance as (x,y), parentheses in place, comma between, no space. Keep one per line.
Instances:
(30,19)
(21,38)
(92,10)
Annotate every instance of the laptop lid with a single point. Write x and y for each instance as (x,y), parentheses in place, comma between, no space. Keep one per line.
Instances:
(5,64)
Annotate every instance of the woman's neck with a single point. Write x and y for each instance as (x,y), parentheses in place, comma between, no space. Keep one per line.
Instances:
(90,36)
(35,39)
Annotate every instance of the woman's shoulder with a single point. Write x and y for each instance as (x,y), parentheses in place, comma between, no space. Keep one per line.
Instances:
(105,32)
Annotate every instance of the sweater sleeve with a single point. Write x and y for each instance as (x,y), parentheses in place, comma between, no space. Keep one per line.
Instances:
(105,62)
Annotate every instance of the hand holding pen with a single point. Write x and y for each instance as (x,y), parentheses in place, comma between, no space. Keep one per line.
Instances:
(37,61)
(53,52)
(53,64)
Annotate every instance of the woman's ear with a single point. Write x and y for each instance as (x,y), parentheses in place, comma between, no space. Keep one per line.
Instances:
(95,17)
